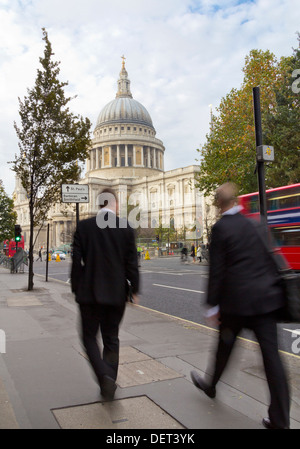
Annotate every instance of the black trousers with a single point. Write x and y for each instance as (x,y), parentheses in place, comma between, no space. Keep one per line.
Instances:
(265,329)
(95,317)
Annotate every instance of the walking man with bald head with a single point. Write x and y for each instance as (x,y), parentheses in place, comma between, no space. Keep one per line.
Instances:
(244,291)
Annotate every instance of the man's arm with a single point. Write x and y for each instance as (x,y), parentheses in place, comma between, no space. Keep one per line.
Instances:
(216,266)
(76,270)
(131,262)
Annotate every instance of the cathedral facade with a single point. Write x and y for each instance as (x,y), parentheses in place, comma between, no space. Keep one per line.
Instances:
(126,156)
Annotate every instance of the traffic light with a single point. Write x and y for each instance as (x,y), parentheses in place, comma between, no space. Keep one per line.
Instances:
(157,238)
(18,231)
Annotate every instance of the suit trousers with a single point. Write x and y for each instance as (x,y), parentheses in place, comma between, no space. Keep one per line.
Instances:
(265,329)
(107,319)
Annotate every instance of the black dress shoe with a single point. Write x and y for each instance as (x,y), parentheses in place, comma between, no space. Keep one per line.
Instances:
(108,387)
(267,423)
(202,385)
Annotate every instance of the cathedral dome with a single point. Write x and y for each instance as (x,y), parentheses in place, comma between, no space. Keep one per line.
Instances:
(124,109)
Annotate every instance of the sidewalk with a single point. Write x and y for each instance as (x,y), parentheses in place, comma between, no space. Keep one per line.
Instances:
(46,381)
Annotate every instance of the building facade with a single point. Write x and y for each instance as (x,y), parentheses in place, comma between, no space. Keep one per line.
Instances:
(127,156)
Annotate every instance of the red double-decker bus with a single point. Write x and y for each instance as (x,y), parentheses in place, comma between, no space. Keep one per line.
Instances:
(9,246)
(283,211)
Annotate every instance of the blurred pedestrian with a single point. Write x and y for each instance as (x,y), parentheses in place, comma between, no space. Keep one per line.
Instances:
(193,252)
(244,291)
(40,255)
(199,255)
(184,254)
(104,260)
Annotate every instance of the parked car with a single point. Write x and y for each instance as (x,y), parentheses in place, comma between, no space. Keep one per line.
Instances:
(61,254)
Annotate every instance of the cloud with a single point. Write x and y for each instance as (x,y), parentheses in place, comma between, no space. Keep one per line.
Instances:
(181,56)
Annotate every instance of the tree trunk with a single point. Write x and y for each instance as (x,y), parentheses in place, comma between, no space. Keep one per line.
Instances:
(30,270)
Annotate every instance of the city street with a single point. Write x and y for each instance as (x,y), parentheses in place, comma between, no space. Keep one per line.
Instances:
(176,289)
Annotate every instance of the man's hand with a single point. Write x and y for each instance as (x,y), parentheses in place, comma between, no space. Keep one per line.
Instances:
(213,320)
(212,316)
(135,299)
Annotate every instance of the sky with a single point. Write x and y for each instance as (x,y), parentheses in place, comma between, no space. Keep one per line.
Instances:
(182,58)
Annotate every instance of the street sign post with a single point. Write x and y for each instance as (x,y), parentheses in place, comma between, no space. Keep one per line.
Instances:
(75,193)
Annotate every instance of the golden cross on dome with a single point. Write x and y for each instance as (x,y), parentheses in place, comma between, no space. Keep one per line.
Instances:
(123,62)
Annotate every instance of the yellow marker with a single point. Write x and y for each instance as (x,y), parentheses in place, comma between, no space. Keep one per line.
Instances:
(147,257)
(57,258)
(268,151)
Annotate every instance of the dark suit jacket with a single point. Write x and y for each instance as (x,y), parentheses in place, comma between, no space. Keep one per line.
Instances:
(243,279)
(103,260)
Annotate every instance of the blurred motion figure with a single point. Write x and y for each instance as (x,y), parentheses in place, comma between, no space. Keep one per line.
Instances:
(244,291)
(104,260)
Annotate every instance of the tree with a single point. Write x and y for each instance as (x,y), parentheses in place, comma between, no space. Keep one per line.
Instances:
(52,141)
(282,124)
(229,153)
(7,215)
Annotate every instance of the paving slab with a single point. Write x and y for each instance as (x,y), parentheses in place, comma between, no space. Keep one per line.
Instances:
(132,413)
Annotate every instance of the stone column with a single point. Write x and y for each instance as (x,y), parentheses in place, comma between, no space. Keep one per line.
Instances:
(88,163)
(110,156)
(149,158)
(142,157)
(126,155)
(118,156)
(97,158)
(154,158)
(102,161)
(57,233)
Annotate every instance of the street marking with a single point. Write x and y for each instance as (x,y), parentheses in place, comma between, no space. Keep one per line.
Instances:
(178,288)
(162,272)
(207,327)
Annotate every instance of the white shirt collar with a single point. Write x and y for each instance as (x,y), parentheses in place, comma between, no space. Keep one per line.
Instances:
(106,209)
(233,210)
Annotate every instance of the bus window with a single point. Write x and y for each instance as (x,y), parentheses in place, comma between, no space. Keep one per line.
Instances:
(283,200)
(254,205)
(286,236)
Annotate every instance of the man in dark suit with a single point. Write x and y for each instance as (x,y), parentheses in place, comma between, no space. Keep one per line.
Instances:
(244,291)
(104,259)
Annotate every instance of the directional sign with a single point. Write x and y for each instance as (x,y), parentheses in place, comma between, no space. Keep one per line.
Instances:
(75,193)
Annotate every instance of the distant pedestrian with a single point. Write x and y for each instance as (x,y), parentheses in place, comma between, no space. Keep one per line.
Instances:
(184,254)
(40,256)
(104,260)
(193,255)
(244,291)
(199,253)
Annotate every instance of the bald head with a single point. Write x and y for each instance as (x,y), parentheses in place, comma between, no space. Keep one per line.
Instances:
(226,196)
